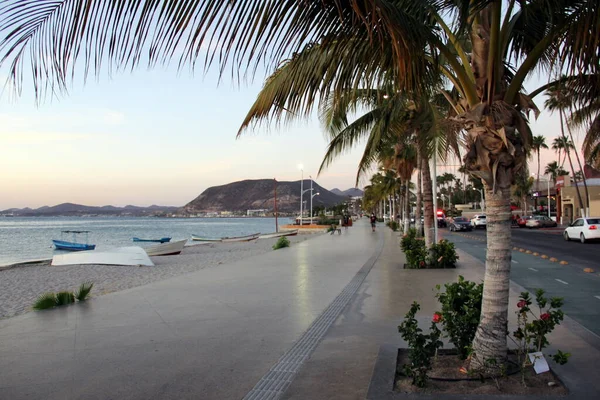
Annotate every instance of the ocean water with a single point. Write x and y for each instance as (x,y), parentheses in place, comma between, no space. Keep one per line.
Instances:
(31,238)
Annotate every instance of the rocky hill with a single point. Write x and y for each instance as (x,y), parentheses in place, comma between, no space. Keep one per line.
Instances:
(259,194)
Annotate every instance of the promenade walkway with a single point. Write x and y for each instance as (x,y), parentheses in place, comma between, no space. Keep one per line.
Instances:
(212,334)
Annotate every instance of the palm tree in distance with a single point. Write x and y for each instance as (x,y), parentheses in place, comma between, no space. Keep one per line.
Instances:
(363,43)
(555,170)
(538,143)
(561,145)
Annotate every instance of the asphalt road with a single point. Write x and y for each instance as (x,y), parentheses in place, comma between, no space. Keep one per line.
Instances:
(580,290)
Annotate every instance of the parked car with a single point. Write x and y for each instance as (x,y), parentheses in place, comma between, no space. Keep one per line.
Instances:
(540,221)
(460,224)
(479,221)
(523,220)
(583,229)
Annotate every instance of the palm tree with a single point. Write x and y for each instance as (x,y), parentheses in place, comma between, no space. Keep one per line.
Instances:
(555,170)
(558,100)
(561,145)
(522,189)
(538,143)
(362,44)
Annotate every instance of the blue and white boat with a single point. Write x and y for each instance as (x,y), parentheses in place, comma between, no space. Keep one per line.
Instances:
(161,240)
(73,246)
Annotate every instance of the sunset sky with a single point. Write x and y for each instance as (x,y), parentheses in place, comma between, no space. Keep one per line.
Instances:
(159,137)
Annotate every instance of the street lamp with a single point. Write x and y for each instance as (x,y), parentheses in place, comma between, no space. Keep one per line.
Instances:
(311,207)
(443,200)
(301,168)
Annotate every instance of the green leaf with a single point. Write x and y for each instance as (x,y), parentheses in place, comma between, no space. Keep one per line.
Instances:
(84,291)
(45,301)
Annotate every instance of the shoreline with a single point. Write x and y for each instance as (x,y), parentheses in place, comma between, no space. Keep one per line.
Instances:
(22,283)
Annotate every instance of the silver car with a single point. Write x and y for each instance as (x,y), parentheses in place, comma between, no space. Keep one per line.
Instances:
(479,221)
(540,221)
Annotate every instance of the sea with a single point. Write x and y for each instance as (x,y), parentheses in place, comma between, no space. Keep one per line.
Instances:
(30,238)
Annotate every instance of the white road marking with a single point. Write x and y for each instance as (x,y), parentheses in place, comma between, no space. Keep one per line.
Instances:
(563,282)
(515,261)
(533,269)
(598,297)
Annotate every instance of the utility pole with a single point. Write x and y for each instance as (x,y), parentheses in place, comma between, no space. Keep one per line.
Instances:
(276,224)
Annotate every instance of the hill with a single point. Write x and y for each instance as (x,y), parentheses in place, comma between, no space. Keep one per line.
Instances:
(71,209)
(352,192)
(258,194)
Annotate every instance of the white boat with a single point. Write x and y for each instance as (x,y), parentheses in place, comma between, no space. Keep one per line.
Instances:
(166,249)
(121,256)
(205,239)
(278,234)
(246,238)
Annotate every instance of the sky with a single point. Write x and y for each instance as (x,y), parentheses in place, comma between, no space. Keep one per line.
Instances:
(162,137)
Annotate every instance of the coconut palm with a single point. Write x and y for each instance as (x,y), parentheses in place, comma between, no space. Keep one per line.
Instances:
(561,145)
(537,144)
(363,43)
(555,170)
(522,189)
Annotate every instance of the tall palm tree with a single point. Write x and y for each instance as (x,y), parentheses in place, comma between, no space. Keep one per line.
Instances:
(561,145)
(363,43)
(558,100)
(555,170)
(537,144)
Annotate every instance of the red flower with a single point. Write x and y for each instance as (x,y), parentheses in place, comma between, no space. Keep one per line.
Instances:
(545,317)
(422,263)
(521,304)
(437,317)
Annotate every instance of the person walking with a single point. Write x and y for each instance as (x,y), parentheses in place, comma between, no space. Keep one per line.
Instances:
(346,221)
(373,222)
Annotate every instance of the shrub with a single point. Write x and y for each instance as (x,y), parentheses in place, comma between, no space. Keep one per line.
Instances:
(442,255)
(281,243)
(393,225)
(421,347)
(461,309)
(64,298)
(84,291)
(414,250)
(530,335)
(45,301)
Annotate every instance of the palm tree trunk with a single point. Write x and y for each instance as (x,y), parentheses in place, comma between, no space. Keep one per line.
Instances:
(427,202)
(587,193)
(407,208)
(568,152)
(419,201)
(490,339)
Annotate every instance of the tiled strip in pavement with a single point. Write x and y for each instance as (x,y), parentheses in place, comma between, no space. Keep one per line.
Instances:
(281,375)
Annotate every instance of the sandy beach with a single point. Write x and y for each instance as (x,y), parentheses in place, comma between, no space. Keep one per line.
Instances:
(20,286)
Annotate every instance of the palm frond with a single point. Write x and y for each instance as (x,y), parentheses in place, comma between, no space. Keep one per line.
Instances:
(45,301)
(84,290)
(64,298)
(57,36)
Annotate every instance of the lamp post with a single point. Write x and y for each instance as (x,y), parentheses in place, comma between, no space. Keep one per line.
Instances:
(301,168)
(311,207)
(443,200)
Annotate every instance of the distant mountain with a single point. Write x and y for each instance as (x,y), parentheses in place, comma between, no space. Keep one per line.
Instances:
(259,194)
(352,192)
(71,209)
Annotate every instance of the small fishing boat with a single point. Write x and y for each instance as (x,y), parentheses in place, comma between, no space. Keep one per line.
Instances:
(278,234)
(205,239)
(166,249)
(74,245)
(161,240)
(246,238)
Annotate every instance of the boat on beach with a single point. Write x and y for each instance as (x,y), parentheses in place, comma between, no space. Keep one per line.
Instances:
(161,240)
(278,234)
(246,238)
(205,239)
(74,245)
(166,249)
(121,256)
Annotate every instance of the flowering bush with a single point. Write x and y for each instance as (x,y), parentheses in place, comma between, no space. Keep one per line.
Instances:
(421,347)
(461,309)
(532,330)
(414,249)
(442,255)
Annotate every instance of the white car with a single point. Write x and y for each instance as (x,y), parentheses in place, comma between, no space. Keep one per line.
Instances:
(583,229)
(479,221)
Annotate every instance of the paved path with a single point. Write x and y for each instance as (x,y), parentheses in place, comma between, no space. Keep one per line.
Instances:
(580,290)
(210,334)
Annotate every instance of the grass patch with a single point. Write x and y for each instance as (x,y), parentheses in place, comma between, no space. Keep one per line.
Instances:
(281,243)
(84,291)
(50,300)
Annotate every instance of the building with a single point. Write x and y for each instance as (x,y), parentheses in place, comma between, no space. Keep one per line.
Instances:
(568,202)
